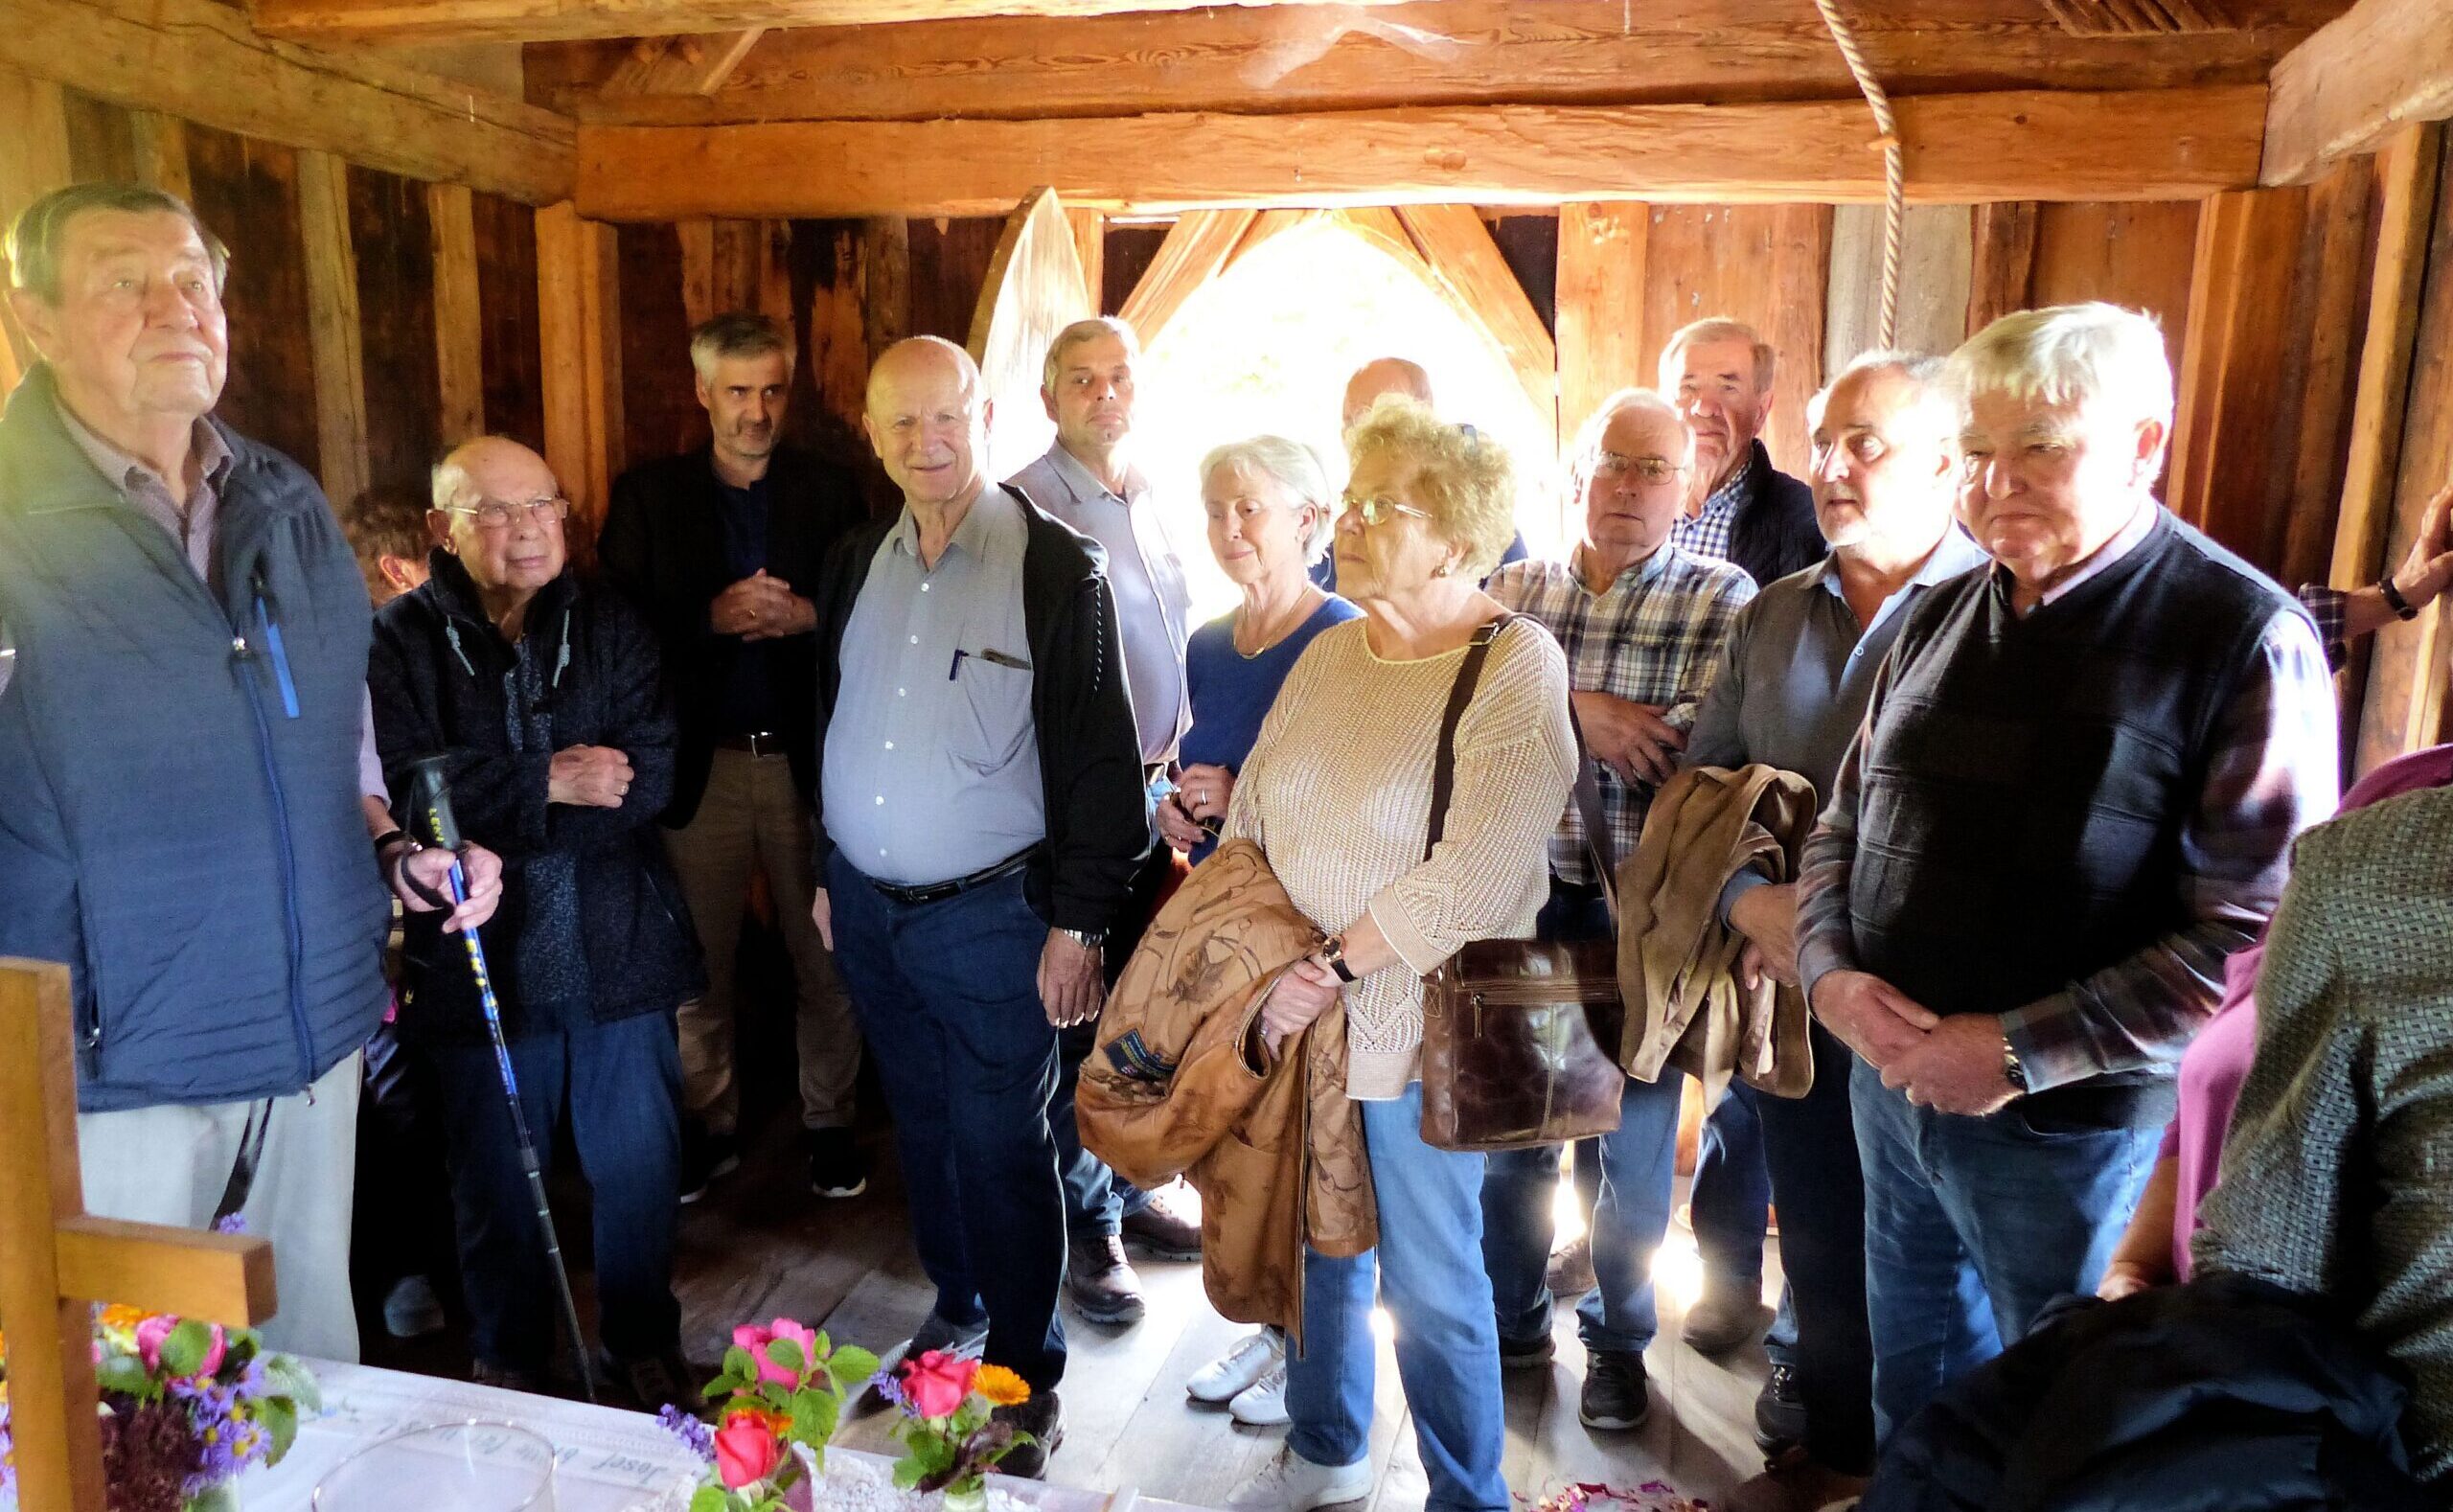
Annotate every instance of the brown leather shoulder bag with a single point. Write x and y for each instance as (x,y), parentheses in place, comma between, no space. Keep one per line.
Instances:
(1514,1031)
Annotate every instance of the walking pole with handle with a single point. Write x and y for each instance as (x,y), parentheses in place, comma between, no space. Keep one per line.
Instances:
(431,808)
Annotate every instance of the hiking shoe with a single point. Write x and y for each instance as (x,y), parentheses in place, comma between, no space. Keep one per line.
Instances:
(1225,1377)
(962,1340)
(1617,1396)
(1101,1281)
(1570,1270)
(1292,1483)
(1779,1411)
(1163,1231)
(706,1158)
(1526,1354)
(837,1168)
(1043,1418)
(1725,1317)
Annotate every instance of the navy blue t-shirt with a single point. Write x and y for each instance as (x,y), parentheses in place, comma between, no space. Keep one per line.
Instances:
(1232,693)
(747,705)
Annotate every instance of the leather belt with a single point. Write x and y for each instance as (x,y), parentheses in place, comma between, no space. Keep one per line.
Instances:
(757,743)
(938,892)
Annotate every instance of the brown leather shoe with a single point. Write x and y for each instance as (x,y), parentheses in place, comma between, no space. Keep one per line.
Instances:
(1162,1232)
(1724,1318)
(1795,1482)
(1101,1281)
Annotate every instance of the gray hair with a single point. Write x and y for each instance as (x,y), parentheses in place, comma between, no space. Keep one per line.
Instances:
(1293,467)
(35,235)
(1921,368)
(1074,335)
(2070,355)
(738,334)
(1719,327)
(1586,444)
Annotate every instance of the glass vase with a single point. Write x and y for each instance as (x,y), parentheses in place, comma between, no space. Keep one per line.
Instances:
(223,1497)
(969,1496)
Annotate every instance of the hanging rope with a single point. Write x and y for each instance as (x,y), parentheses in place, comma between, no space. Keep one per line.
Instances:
(1894,170)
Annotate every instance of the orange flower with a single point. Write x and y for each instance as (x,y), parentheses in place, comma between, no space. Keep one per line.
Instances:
(1000,1386)
(120,1315)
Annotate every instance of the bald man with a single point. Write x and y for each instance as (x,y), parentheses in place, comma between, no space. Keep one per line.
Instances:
(1372,382)
(980,817)
(543,695)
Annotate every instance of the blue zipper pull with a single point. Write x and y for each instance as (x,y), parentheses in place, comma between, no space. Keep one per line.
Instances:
(280,658)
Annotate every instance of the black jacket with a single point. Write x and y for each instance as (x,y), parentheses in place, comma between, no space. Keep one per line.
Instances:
(1774,532)
(1090,753)
(2225,1395)
(438,679)
(663,548)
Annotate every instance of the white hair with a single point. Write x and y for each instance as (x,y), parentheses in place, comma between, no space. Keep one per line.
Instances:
(1081,331)
(1293,467)
(2079,355)
(1922,369)
(1588,436)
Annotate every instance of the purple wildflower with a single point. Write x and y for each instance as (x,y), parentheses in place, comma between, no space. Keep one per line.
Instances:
(885,1384)
(696,1435)
(230,1223)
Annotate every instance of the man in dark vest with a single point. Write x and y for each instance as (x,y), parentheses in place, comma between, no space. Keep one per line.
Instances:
(194,819)
(2072,796)
(720,548)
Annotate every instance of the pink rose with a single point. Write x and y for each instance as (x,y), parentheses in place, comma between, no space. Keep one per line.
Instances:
(747,1452)
(755,1340)
(154,1330)
(935,1384)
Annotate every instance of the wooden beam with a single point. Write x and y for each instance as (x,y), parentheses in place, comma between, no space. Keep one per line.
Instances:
(332,326)
(2379,65)
(681,65)
(579,332)
(1600,307)
(2238,344)
(360,21)
(459,315)
(1090,245)
(1269,225)
(1196,247)
(885,264)
(1379,225)
(141,1264)
(162,151)
(1465,265)
(2001,270)
(34,123)
(199,60)
(2339,258)
(1274,58)
(2408,169)
(2175,144)
(1936,261)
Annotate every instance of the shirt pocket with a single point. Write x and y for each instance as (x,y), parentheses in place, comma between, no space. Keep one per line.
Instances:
(991,718)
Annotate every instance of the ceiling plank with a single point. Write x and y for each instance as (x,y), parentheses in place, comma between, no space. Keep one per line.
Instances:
(1196,246)
(1285,60)
(198,60)
(2015,145)
(681,65)
(563,20)
(2379,65)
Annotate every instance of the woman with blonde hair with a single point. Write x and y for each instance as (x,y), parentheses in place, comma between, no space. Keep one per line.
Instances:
(1337,791)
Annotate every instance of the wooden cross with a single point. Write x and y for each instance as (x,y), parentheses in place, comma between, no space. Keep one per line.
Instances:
(55,1260)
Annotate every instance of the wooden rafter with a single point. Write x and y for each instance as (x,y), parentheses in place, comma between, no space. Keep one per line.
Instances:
(1198,246)
(2014,145)
(2138,17)
(2379,65)
(199,60)
(563,20)
(681,65)
(1460,260)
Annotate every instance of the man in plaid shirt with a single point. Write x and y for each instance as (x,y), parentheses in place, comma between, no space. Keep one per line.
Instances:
(1643,623)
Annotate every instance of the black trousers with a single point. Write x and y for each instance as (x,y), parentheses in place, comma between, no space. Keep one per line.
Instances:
(1810,1143)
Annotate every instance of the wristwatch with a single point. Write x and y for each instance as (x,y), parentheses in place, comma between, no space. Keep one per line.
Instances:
(1093,940)
(2402,607)
(1334,953)
(2013,1070)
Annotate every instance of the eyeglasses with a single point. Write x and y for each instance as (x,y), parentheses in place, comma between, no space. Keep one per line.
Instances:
(1614,465)
(496,514)
(1376,509)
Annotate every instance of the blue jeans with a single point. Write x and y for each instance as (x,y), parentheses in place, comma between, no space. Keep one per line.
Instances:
(621,1086)
(1972,1224)
(1097,1200)
(1732,1200)
(1626,1177)
(947,997)
(1431,1272)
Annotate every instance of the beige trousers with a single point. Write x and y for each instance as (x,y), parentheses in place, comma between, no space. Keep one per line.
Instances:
(753,819)
(172,1164)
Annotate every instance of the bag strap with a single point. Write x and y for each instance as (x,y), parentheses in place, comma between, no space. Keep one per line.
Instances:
(1461,693)
(1598,841)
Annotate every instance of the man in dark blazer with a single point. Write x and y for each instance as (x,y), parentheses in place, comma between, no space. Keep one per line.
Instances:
(721,549)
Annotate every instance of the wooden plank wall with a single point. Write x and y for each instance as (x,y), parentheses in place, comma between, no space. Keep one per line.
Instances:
(249,193)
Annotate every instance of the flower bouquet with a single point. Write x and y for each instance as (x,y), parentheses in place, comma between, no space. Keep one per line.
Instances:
(186,1406)
(779,1398)
(950,1434)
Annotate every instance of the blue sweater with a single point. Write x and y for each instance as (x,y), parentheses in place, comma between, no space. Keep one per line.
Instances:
(1232,693)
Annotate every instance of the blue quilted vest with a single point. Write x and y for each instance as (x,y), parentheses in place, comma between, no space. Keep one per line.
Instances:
(179,816)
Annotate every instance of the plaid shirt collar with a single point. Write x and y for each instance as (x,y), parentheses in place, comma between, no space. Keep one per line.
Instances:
(1635,575)
(1724,500)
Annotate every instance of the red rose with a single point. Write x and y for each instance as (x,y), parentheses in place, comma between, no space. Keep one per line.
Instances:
(935,1384)
(747,1452)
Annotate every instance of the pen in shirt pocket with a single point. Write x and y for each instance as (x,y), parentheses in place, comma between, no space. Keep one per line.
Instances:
(992,657)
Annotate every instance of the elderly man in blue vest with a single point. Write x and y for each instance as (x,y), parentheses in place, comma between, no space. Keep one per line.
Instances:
(2074,794)
(195,822)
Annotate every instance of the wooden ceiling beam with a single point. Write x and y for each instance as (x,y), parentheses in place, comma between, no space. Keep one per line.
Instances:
(198,60)
(2380,65)
(2016,145)
(565,20)
(1286,59)
(681,65)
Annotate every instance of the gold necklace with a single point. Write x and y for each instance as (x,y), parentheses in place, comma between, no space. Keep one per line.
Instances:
(1303,611)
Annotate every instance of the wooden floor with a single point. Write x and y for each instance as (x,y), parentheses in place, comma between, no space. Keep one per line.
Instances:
(760,1246)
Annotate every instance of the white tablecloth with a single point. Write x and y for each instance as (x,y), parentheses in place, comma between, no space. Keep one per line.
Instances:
(612,1461)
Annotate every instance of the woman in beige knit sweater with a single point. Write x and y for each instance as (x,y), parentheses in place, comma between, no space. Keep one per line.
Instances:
(1338,793)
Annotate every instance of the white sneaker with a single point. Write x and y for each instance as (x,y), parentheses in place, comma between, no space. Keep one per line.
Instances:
(1263,1403)
(1292,1483)
(1251,1359)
